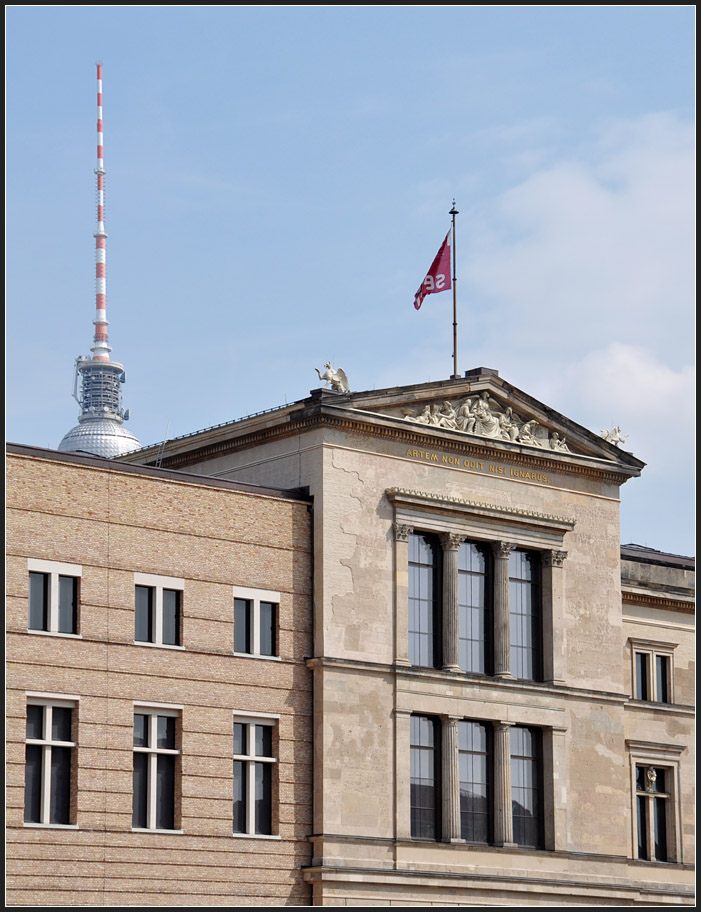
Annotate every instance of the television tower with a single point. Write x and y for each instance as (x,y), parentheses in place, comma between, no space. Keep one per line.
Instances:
(100,429)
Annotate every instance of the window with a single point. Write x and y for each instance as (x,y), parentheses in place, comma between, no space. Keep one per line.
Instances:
(53,597)
(424,601)
(158,610)
(156,768)
(526,788)
(475,760)
(425,799)
(524,609)
(652,671)
(652,793)
(474,607)
(49,766)
(256,622)
(254,775)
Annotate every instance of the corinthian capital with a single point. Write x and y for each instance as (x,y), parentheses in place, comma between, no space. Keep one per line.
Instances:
(554,558)
(502,549)
(402,532)
(451,541)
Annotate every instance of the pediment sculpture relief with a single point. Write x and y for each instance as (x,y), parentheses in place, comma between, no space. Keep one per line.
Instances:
(485,417)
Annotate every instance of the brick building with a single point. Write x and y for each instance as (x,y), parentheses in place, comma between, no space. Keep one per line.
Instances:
(152,758)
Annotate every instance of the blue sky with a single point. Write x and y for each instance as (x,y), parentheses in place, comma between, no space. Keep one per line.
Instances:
(279,180)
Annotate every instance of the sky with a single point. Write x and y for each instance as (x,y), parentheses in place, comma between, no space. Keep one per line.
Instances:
(279,180)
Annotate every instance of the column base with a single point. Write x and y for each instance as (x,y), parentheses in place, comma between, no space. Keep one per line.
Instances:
(507,845)
(453,669)
(504,675)
(453,840)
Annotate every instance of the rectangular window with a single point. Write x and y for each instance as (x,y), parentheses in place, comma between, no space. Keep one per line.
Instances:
(254,775)
(53,597)
(474,608)
(156,764)
(652,671)
(49,764)
(525,615)
(256,622)
(526,786)
(158,610)
(425,763)
(475,760)
(424,601)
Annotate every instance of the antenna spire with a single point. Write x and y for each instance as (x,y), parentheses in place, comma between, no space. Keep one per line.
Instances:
(101,350)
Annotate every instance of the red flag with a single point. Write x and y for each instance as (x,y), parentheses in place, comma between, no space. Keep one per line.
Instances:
(438,276)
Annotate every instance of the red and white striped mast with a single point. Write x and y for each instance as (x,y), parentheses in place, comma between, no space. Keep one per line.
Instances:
(99,429)
(101,350)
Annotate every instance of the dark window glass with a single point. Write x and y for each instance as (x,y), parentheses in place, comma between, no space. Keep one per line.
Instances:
(61,724)
(140,730)
(165,791)
(143,614)
(242,625)
(60,800)
(524,602)
(473,608)
(240,746)
(67,604)
(424,605)
(171,617)
(475,781)
(526,787)
(35,722)
(140,791)
(38,601)
(264,741)
(263,798)
(642,827)
(641,687)
(240,768)
(267,629)
(424,784)
(662,674)
(165,732)
(660,824)
(32,784)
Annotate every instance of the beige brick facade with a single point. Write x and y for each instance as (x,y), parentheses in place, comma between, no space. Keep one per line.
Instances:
(112,522)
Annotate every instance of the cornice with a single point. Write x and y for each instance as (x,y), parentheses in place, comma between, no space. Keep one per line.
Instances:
(653,600)
(323,415)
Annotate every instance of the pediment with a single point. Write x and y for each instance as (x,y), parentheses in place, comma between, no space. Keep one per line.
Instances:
(490,409)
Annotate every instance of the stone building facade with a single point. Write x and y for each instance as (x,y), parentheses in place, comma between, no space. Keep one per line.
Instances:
(155,756)
(502,698)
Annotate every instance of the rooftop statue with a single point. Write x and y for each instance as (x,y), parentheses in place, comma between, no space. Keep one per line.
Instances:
(335,379)
(614,436)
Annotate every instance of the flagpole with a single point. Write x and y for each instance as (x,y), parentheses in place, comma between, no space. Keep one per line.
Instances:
(453,212)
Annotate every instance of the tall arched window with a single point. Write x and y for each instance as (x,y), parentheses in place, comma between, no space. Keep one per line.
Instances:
(474,608)
(424,601)
(525,615)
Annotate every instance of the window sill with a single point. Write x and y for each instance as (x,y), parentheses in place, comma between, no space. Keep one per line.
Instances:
(55,633)
(257,655)
(51,826)
(159,645)
(158,832)
(254,836)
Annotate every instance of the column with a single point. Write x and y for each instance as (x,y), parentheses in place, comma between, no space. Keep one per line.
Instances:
(502,638)
(401,593)
(451,780)
(553,626)
(503,819)
(451,623)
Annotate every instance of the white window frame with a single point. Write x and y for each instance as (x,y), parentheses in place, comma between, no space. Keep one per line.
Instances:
(251,758)
(152,711)
(661,756)
(255,597)
(54,569)
(651,650)
(48,702)
(158,584)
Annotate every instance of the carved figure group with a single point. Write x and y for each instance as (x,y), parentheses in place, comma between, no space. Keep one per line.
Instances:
(484,417)
(335,379)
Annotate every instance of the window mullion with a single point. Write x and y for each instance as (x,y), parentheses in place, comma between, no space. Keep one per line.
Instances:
(158,615)
(650,825)
(152,771)
(46,784)
(53,602)
(255,626)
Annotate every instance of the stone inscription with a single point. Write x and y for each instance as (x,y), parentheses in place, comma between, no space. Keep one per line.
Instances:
(477,465)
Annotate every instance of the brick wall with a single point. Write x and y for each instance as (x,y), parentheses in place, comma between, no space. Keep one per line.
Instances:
(114,523)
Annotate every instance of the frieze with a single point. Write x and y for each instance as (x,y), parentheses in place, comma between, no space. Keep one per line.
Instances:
(483,416)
